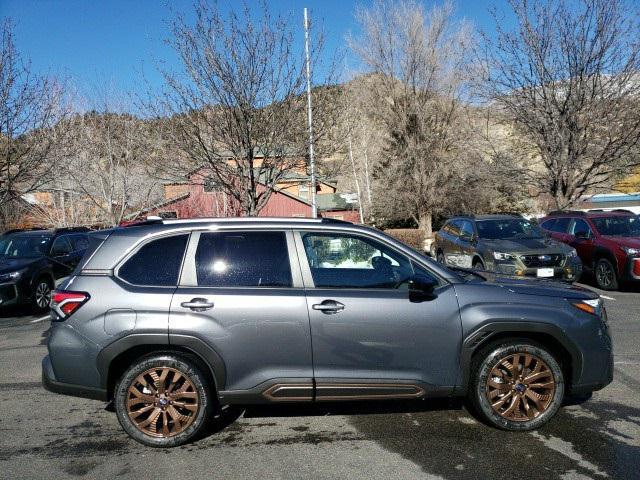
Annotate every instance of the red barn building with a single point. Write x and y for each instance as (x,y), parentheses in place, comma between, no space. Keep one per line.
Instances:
(199,197)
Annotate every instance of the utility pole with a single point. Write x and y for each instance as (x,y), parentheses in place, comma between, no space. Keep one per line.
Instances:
(312,165)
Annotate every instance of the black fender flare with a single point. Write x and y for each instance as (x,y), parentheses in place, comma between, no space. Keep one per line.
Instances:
(209,357)
(485,333)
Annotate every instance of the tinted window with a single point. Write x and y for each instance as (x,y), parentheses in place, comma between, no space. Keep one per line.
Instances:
(24,246)
(243,259)
(61,246)
(618,226)
(466,229)
(561,225)
(548,224)
(79,243)
(580,226)
(350,261)
(157,263)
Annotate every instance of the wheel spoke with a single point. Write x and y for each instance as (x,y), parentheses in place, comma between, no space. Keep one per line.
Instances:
(520,387)
(157,413)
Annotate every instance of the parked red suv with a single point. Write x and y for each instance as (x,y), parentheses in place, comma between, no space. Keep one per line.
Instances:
(608,243)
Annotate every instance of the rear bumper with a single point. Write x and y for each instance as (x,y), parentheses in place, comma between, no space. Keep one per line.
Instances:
(50,383)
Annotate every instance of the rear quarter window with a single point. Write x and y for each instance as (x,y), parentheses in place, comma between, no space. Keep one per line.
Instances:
(156,263)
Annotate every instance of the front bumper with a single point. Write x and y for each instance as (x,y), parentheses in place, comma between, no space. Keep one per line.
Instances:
(632,269)
(569,272)
(50,383)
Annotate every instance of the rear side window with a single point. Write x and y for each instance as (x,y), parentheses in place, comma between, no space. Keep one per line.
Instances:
(561,225)
(157,263)
(243,259)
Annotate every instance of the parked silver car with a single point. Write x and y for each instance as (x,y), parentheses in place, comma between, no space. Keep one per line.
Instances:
(172,320)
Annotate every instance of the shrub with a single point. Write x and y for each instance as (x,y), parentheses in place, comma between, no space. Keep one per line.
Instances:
(411,236)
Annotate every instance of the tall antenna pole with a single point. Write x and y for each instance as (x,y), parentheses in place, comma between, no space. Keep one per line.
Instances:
(312,164)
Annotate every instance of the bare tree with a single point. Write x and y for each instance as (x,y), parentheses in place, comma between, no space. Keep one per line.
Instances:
(237,107)
(30,108)
(566,84)
(417,62)
(107,164)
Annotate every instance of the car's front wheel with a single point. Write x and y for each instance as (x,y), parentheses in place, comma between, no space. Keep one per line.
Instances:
(606,275)
(516,385)
(163,400)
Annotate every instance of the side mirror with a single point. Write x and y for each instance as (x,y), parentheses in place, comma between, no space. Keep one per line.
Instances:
(421,288)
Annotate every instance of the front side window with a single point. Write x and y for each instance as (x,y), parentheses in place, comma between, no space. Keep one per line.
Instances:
(341,260)
(466,229)
(243,259)
(561,225)
(156,263)
(61,246)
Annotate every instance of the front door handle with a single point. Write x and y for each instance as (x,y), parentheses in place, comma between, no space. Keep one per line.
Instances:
(328,306)
(198,304)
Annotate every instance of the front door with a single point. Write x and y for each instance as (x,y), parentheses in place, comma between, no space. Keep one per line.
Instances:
(369,339)
(242,296)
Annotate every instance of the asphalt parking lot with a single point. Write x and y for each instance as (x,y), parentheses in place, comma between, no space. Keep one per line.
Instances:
(43,435)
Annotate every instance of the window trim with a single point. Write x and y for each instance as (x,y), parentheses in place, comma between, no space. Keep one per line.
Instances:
(306,269)
(189,278)
(136,249)
(65,238)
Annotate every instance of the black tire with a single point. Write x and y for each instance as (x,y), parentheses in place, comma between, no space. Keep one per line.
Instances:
(483,365)
(606,275)
(440,257)
(41,297)
(203,394)
(478,265)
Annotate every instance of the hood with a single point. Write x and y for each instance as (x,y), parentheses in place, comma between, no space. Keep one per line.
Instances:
(631,242)
(539,287)
(8,265)
(525,245)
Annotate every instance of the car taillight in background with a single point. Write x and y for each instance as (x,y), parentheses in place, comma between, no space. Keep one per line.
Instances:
(65,303)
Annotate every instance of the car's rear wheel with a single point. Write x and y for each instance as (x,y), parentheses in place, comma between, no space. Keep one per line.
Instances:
(516,385)
(606,275)
(42,294)
(163,400)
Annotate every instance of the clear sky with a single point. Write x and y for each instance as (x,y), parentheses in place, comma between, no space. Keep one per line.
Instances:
(107,45)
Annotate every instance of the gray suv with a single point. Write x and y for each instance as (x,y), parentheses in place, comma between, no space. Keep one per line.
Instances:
(174,320)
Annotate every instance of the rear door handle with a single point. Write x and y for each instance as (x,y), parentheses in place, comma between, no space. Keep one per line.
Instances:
(328,306)
(198,304)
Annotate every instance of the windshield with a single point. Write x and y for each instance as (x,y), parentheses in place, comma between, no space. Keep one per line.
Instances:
(618,226)
(24,246)
(508,228)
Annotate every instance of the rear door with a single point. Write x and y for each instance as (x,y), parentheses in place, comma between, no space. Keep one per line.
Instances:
(61,255)
(369,339)
(241,294)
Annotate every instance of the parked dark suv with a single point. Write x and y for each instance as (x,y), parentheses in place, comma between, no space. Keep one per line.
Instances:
(32,260)
(175,319)
(508,244)
(608,242)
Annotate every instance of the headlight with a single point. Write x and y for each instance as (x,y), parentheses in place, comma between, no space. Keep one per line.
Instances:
(10,276)
(572,253)
(503,256)
(631,251)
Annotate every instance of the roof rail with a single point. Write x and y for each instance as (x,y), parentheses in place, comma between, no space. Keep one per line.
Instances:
(172,221)
(17,230)
(567,212)
(71,229)
(623,210)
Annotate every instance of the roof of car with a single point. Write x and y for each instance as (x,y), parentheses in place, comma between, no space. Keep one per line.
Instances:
(591,213)
(493,216)
(238,220)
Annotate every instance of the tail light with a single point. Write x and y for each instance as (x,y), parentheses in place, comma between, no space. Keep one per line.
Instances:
(65,302)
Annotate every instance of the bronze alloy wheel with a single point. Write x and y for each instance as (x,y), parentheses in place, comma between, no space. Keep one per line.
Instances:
(520,387)
(162,402)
